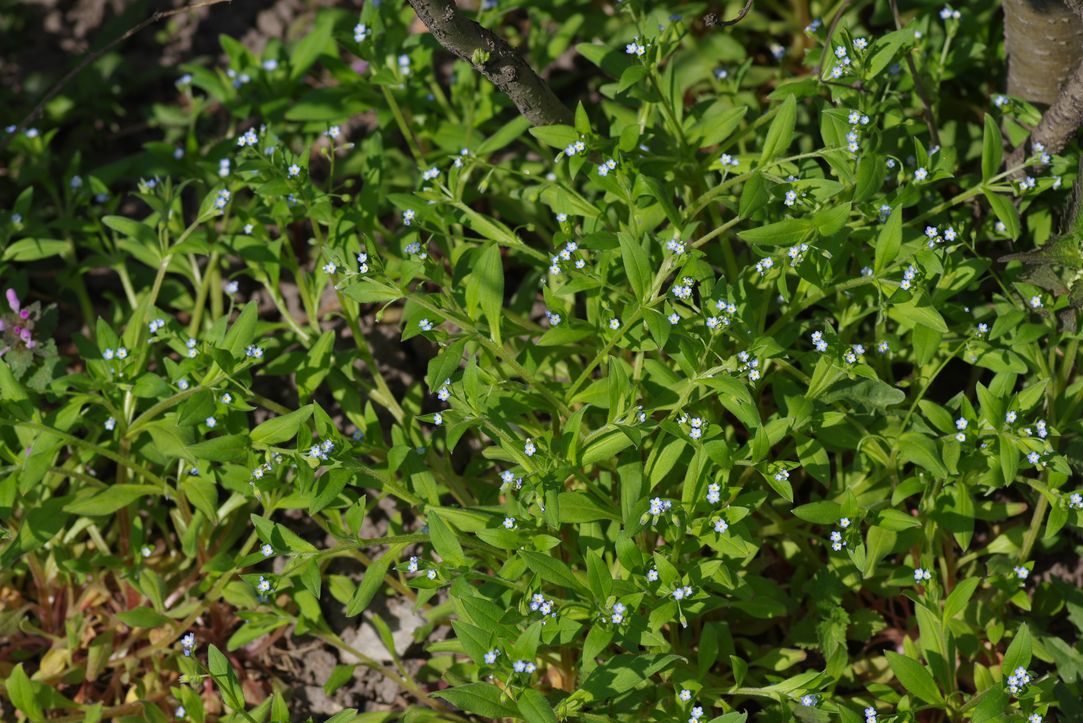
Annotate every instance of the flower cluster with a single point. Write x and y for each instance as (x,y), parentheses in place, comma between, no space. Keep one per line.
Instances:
(682,593)
(635,48)
(574,148)
(321,450)
(248,138)
(1018,680)
(854,353)
(837,540)
(17,327)
(749,365)
(934,237)
(508,478)
(696,425)
(659,506)
(566,254)
(539,604)
(908,277)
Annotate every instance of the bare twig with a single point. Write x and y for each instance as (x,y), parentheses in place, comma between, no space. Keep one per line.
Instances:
(89,58)
(712,19)
(927,106)
(495,59)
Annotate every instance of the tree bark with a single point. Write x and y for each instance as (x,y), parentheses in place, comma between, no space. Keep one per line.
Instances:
(1064,117)
(495,59)
(1044,43)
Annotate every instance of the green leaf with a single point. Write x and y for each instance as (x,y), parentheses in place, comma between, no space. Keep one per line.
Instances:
(885,48)
(534,708)
(340,676)
(820,513)
(636,265)
(444,364)
(225,678)
(831,220)
(141,232)
(507,134)
(623,672)
(992,149)
(551,569)
(782,486)
(610,61)
(1019,651)
(227,448)
(578,507)
(780,134)
(109,500)
(781,233)
(888,241)
(316,42)
(326,105)
(915,678)
(444,540)
(735,397)
(1005,211)
(35,249)
(924,314)
(488,280)
(921,450)
(281,429)
(872,394)
(557,136)
(142,617)
(957,600)
(371,291)
(878,543)
(491,229)
(21,692)
(373,581)
(718,124)
(482,699)
(631,75)
(242,332)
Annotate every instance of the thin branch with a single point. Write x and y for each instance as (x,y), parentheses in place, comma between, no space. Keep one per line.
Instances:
(711,19)
(927,106)
(90,58)
(495,59)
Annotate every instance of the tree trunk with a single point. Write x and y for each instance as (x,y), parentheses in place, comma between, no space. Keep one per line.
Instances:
(1044,43)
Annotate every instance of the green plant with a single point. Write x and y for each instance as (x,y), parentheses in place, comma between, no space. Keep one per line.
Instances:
(716,403)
